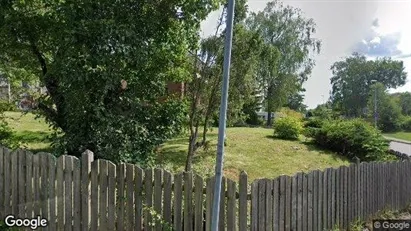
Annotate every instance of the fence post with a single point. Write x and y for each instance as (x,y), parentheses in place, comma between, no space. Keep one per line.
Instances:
(86,158)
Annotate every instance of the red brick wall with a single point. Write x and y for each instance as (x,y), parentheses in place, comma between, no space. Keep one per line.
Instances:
(176,89)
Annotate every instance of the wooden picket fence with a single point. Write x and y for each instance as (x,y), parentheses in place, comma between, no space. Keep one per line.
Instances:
(84,194)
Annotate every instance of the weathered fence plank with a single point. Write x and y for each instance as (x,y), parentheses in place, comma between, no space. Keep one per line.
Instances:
(121,175)
(310,182)
(168,181)
(43,171)
(304,199)
(188,201)
(129,201)
(86,159)
(294,201)
(276,204)
(22,183)
(288,199)
(111,196)
(261,204)
(14,183)
(282,203)
(315,199)
(148,185)
(209,202)
(199,212)
(95,171)
(52,188)
(254,205)
(138,197)
(325,214)
(178,194)
(222,218)
(59,189)
(269,197)
(231,205)
(102,195)
(76,193)
(242,202)
(158,195)
(68,193)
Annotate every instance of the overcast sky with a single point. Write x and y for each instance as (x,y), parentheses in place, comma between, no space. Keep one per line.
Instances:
(376,28)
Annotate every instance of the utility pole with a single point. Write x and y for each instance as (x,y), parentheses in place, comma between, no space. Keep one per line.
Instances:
(223,117)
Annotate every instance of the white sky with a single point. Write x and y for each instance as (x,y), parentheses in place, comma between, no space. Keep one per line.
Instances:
(341,25)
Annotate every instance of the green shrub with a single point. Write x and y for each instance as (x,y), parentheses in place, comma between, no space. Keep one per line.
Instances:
(287,128)
(314,122)
(352,138)
(6,106)
(406,124)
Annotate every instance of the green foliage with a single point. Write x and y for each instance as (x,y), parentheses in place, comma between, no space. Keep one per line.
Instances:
(4,227)
(287,128)
(82,51)
(286,59)
(406,124)
(6,106)
(296,102)
(312,125)
(388,111)
(352,81)
(157,219)
(323,112)
(352,138)
(404,101)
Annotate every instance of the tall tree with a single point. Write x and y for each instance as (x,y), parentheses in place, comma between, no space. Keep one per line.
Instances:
(405,103)
(204,91)
(388,111)
(288,60)
(352,79)
(105,65)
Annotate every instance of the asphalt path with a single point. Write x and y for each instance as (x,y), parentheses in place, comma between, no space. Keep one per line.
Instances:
(401,147)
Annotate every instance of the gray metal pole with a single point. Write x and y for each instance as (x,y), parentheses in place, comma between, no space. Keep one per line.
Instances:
(223,117)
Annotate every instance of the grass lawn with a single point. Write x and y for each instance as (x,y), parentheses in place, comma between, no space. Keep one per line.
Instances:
(399,135)
(253,150)
(30,131)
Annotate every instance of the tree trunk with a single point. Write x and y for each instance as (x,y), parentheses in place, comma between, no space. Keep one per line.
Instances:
(269,119)
(192,147)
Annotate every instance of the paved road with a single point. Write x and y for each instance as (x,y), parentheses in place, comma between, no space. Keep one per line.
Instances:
(401,147)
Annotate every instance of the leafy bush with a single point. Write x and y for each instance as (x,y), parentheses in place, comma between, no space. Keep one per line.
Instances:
(312,126)
(287,112)
(352,138)
(287,128)
(314,122)
(6,106)
(406,124)
(6,133)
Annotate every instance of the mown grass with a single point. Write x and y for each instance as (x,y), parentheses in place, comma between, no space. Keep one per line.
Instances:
(253,150)
(399,135)
(31,132)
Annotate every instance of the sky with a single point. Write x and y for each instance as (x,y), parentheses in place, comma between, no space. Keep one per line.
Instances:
(374,28)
